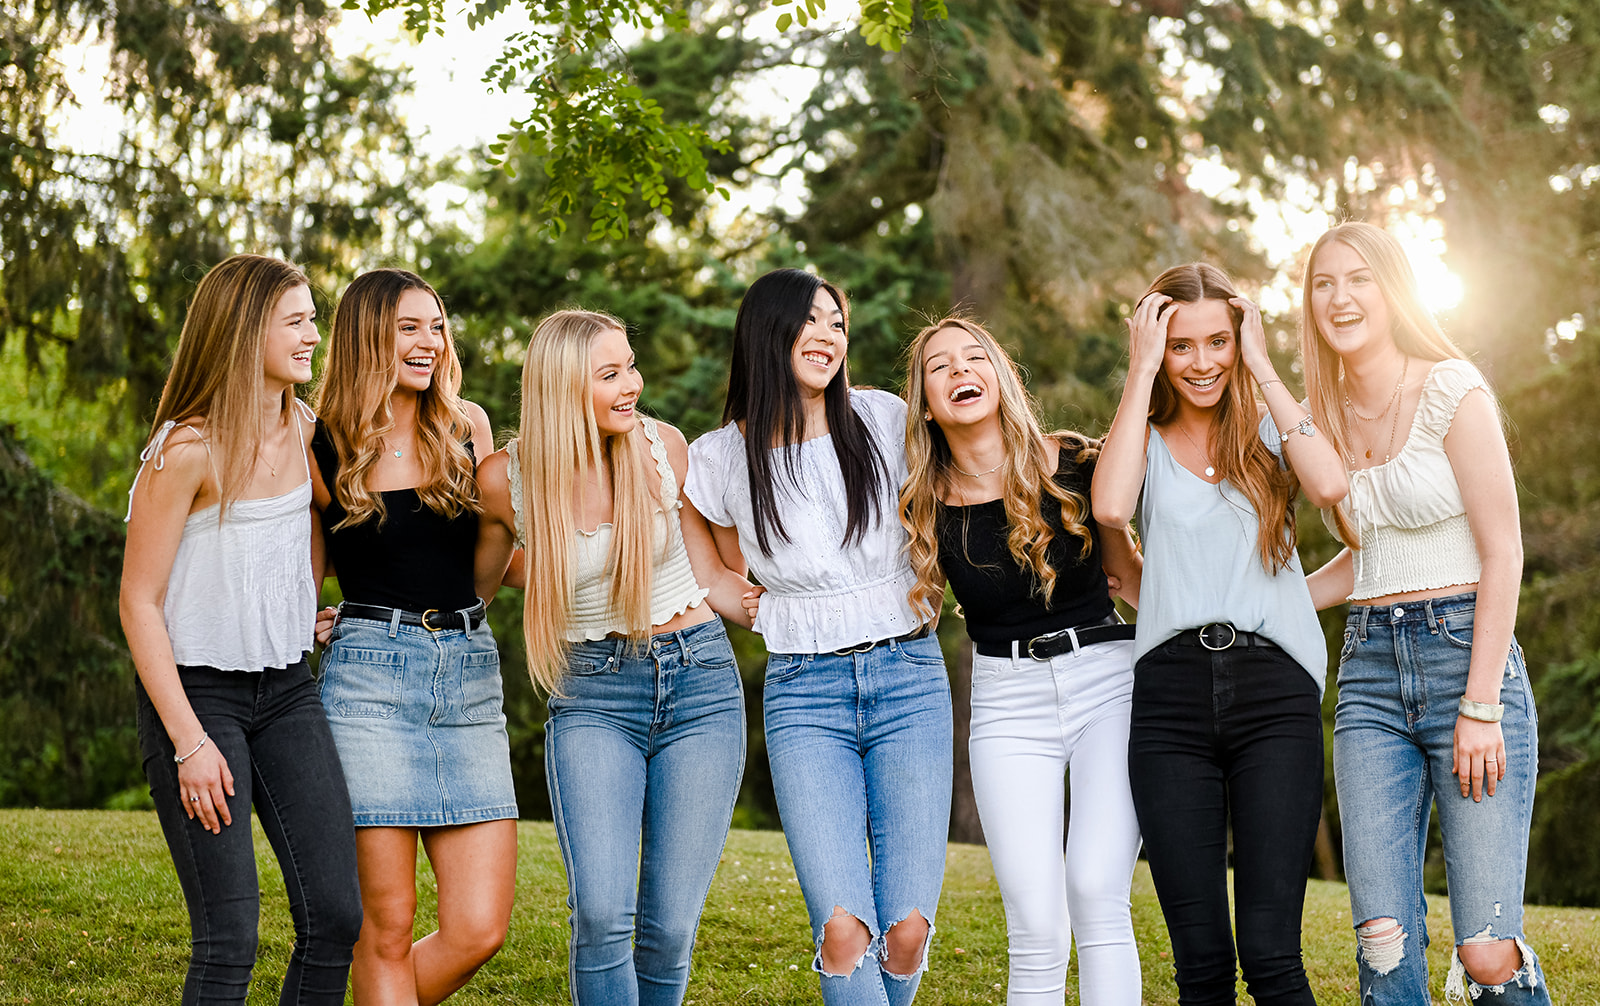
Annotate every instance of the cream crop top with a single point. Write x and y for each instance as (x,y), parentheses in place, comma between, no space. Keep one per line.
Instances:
(673,588)
(240,595)
(1409,511)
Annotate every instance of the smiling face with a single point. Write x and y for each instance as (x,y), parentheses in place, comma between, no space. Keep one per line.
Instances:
(419,339)
(1346,301)
(1202,348)
(960,384)
(291,336)
(820,347)
(614,382)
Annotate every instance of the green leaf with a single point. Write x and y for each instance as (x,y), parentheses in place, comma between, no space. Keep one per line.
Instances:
(784,20)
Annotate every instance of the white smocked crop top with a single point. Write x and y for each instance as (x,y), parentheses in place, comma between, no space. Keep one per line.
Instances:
(1409,511)
(673,588)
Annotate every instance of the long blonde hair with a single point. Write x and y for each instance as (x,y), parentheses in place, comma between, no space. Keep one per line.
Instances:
(1411,324)
(1238,453)
(1025,471)
(353,402)
(557,443)
(218,365)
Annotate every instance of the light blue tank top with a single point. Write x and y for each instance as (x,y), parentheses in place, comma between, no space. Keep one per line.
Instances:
(1201,565)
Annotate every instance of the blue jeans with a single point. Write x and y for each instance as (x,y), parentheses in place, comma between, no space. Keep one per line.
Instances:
(1402,670)
(644,751)
(860,748)
(1222,737)
(270,727)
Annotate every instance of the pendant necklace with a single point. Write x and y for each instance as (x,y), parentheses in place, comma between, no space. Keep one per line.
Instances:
(1211,470)
(1394,424)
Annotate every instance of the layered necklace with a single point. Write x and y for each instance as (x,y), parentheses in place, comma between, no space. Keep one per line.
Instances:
(1394,423)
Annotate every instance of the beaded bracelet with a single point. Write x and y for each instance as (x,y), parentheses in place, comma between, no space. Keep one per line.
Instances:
(1304,427)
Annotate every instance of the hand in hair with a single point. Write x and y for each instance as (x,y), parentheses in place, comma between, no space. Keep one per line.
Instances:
(1147,336)
(1253,340)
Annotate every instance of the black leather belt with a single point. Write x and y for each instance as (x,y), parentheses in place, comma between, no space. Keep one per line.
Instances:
(433,619)
(1222,636)
(874,643)
(1053,644)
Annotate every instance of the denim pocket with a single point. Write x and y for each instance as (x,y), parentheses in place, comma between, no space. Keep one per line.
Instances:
(588,665)
(1457,628)
(480,686)
(363,684)
(923,651)
(782,667)
(712,654)
(1348,646)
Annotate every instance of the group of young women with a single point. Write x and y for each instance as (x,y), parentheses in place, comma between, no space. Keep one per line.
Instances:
(853,509)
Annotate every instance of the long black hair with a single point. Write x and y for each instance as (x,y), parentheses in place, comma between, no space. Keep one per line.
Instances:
(764,395)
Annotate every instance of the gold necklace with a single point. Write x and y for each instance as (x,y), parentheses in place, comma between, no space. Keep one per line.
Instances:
(1394,424)
(1211,470)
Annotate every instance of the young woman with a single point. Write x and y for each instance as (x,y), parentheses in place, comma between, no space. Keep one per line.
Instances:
(1431,681)
(218,602)
(644,748)
(1229,658)
(802,479)
(1002,511)
(411,677)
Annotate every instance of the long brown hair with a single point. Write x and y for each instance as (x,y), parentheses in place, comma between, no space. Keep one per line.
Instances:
(557,442)
(353,402)
(218,365)
(1026,474)
(1415,331)
(1238,452)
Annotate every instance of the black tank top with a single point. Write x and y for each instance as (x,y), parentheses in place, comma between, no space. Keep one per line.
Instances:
(417,560)
(999,598)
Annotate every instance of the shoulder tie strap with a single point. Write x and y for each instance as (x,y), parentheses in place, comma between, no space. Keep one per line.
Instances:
(152,450)
(658,451)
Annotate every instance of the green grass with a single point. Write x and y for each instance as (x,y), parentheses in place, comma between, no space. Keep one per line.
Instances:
(90,912)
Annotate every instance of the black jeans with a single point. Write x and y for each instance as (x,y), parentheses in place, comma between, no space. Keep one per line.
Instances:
(1216,736)
(271,728)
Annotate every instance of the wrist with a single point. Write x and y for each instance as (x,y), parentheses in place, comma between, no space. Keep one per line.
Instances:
(1483,712)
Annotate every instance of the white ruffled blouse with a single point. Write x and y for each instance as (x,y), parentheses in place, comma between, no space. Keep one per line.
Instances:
(822,595)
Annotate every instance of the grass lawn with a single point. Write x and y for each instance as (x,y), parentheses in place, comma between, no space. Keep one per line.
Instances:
(90,912)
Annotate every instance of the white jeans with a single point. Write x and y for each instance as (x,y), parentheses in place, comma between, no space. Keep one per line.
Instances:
(1031,721)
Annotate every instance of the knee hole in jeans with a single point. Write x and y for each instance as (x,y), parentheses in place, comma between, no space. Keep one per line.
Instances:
(905,945)
(1381,944)
(1489,959)
(846,941)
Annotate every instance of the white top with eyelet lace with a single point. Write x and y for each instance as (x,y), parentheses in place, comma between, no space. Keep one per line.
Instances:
(673,588)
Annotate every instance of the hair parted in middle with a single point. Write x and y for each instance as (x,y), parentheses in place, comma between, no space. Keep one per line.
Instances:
(764,395)
(1241,458)
(352,402)
(1415,331)
(1026,471)
(558,441)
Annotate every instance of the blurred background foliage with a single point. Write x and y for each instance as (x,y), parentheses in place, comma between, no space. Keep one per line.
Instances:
(1032,163)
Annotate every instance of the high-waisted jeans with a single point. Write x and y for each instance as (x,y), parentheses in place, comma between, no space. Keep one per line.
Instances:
(1031,721)
(860,748)
(1219,737)
(270,727)
(644,751)
(1402,670)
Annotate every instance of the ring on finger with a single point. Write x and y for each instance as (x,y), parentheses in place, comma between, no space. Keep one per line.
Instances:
(194,799)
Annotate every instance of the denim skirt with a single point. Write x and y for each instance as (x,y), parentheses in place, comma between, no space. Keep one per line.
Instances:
(417,718)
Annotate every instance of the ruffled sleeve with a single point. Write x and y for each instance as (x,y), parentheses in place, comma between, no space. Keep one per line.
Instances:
(1447,384)
(514,483)
(885,414)
(710,459)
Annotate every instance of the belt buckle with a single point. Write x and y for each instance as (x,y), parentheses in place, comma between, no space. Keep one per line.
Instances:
(1233,636)
(425,625)
(858,648)
(1048,637)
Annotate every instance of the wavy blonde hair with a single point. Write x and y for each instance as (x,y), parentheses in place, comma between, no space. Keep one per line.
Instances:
(1413,327)
(218,365)
(558,441)
(1026,474)
(1238,453)
(353,403)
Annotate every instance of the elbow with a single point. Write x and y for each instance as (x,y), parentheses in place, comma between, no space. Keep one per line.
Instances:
(1324,497)
(1108,514)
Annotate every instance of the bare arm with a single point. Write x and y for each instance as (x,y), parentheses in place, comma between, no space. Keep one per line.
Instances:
(1482,465)
(161,503)
(1119,472)
(482,433)
(1120,558)
(496,525)
(727,587)
(1312,458)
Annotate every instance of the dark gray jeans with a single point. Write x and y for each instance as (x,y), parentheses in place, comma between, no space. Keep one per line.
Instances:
(270,726)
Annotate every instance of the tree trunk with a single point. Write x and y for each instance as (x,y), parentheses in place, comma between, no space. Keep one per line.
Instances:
(964,826)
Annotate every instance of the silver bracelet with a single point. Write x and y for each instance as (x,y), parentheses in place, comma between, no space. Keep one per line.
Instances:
(203,738)
(1483,712)
(1263,384)
(1304,427)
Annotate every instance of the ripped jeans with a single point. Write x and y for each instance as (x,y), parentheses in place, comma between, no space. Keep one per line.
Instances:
(1401,671)
(860,748)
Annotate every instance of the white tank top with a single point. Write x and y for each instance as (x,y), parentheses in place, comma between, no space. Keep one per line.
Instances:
(673,588)
(240,596)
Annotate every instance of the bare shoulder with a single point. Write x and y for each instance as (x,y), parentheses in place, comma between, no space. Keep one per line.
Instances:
(494,485)
(481,430)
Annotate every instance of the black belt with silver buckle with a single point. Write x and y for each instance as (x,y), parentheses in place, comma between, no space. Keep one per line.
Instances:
(1220,636)
(1053,644)
(433,619)
(875,643)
